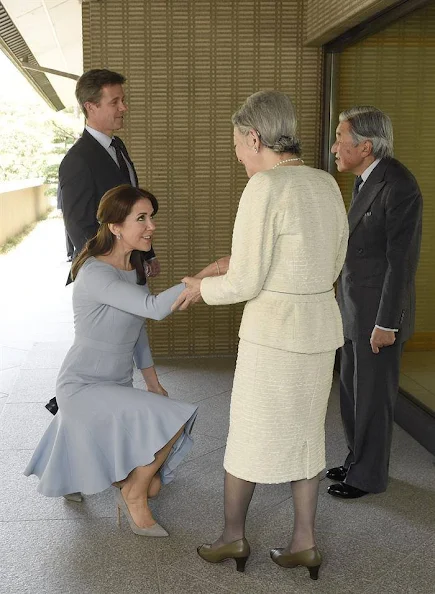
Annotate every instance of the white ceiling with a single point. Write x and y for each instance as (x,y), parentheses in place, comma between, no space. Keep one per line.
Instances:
(53,31)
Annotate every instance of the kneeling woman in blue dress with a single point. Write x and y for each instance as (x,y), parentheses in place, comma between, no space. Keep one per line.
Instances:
(108,432)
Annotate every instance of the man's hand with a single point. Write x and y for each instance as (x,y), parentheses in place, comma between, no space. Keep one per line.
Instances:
(190,295)
(152,267)
(381,338)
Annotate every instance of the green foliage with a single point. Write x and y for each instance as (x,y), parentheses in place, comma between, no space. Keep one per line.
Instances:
(34,142)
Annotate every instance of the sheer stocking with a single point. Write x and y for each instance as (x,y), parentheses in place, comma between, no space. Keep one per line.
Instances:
(238,495)
(305,494)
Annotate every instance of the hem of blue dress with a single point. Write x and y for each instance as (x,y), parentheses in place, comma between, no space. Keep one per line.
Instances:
(179,450)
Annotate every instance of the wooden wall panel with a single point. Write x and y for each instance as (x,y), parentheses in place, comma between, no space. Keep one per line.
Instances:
(327,19)
(189,65)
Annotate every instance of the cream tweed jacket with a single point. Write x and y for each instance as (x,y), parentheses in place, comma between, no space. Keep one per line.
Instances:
(289,243)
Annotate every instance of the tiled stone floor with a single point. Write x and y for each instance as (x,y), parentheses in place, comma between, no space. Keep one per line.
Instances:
(381,543)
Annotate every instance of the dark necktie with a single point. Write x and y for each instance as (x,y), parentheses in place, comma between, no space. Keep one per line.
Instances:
(125,174)
(357,184)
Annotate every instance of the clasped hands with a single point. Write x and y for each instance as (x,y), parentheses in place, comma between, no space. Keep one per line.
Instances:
(190,295)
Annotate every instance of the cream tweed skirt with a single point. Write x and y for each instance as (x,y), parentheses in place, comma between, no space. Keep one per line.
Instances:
(277,417)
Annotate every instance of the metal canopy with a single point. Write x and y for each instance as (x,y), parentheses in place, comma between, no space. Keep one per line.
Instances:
(43,38)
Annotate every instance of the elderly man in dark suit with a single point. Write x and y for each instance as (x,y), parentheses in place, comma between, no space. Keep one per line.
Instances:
(376,295)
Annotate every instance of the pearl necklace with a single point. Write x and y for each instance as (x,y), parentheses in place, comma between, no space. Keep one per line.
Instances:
(287,161)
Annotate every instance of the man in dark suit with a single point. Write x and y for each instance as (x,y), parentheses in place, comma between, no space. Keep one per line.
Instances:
(376,295)
(98,161)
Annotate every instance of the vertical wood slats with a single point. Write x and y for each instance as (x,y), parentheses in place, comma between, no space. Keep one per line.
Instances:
(189,65)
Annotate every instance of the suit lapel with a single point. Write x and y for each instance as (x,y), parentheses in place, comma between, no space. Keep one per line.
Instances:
(371,188)
(103,155)
(96,148)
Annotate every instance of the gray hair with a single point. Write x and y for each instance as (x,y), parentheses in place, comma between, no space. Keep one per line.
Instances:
(370,123)
(273,116)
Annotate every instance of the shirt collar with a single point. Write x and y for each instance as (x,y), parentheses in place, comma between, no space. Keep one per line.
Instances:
(367,172)
(100,137)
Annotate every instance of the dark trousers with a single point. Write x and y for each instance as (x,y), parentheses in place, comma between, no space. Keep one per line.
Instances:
(368,393)
(69,245)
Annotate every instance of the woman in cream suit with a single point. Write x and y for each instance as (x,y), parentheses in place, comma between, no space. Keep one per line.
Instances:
(289,244)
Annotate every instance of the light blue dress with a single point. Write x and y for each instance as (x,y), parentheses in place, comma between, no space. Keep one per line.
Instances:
(105,427)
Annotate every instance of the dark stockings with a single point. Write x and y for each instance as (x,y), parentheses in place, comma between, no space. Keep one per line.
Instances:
(305,493)
(238,495)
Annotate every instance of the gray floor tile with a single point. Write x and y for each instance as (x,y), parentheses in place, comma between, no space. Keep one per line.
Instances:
(11,357)
(410,462)
(204,465)
(47,354)
(66,556)
(213,416)
(392,519)
(3,398)
(177,582)
(13,341)
(203,444)
(34,385)
(22,425)
(413,575)
(8,378)
(33,506)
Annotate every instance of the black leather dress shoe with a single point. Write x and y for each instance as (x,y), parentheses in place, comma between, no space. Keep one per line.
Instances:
(345,491)
(337,474)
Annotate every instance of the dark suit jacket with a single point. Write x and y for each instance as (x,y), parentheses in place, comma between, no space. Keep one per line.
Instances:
(376,285)
(86,172)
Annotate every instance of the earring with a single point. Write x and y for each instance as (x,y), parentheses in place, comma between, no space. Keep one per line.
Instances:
(255,150)
(118,236)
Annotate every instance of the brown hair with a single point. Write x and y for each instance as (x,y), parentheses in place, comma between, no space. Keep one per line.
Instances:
(115,206)
(90,85)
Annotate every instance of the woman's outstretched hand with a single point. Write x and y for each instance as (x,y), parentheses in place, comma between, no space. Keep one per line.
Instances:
(190,295)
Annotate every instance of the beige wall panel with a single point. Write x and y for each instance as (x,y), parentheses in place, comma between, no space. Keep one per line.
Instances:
(327,19)
(394,71)
(189,65)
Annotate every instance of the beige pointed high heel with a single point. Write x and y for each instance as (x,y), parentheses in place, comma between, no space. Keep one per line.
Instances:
(155,530)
